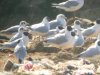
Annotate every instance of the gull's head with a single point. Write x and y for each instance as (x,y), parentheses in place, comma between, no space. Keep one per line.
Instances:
(69,28)
(98,21)
(18,41)
(21,29)
(98,43)
(60,27)
(77,22)
(27,34)
(73,34)
(23,23)
(61,16)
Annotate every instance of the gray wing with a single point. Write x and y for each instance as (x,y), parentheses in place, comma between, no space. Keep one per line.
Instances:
(54,24)
(50,33)
(58,40)
(10,44)
(90,52)
(40,28)
(20,53)
(88,32)
(69,4)
(10,30)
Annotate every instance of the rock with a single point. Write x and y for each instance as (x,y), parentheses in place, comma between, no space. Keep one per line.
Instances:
(48,63)
(90,67)
(84,72)
(8,66)
(42,72)
(98,70)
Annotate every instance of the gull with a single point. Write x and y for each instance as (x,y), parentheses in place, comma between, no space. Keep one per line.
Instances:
(12,30)
(93,30)
(79,39)
(17,35)
(25,37)
(70,5)
(59,21)
(40,28)
(20,51)
(63,41)
(77,25)
(91,51)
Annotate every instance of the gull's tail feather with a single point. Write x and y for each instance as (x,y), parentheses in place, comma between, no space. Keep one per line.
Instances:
(2,31)
(55,4)
(58,7)
(4,37)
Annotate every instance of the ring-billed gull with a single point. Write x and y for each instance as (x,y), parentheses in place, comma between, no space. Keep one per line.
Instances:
(59,21)
(20,51)
(70,5)
(12,30)
(62,40)
(91,31)
(25,37)
(40,28)
(18,34)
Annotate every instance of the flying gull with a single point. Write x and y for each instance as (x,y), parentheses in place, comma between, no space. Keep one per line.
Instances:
(69,5)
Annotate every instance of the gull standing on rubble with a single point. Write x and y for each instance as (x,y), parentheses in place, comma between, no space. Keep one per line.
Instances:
(62,40)
(20,51)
